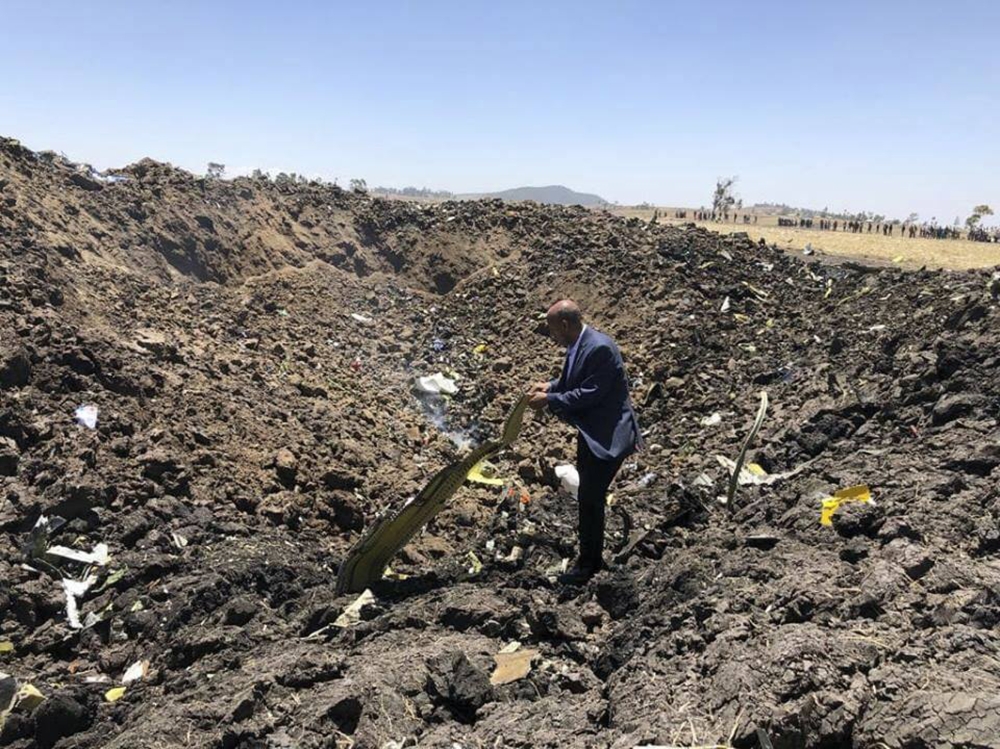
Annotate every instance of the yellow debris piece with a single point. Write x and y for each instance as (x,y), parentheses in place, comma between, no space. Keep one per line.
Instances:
(6,646)
(28,697)
(391,574)
(858,295)
(756,470)
(758,292)
(898,259)
(859,493)
(113,695)
(512,666)
(480,349)
(476,566)
(484,472)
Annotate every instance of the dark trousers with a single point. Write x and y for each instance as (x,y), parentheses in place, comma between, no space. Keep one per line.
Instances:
(595,478)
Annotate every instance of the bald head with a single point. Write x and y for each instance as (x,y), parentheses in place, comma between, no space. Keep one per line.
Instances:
(565,322)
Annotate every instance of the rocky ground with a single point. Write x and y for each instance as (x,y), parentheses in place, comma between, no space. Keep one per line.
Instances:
(251,349)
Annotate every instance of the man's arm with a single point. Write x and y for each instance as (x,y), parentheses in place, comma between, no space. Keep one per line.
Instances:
(592,390)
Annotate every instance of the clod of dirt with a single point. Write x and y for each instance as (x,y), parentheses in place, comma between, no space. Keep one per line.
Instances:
(953,406)
(10,456)
(15,368)
(617,593)
(458,685)
(915,561)
(556,623)
(312,669)
(286,465)
(241,610)
(60,715)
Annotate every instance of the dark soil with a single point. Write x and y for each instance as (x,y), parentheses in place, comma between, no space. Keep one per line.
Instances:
(249,429)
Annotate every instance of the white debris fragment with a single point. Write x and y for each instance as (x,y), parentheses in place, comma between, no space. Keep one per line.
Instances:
(98,556)
(725,305)
(8,693)
(135,672)
(86,415)
(702,479)
(748,476)
(352,614)
(711,421)
(436,383)
(38,541)
(75,589)
(363,319)
(569,477)
(647,479)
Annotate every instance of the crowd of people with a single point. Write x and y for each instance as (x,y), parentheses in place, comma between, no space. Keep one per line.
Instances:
(980,234)
(854,226)
(891,228)
(746,218)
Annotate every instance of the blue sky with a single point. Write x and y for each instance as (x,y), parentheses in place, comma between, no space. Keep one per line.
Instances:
(885,106)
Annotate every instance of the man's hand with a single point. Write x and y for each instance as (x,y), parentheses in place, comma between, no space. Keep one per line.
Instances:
(539,387)
(537,400)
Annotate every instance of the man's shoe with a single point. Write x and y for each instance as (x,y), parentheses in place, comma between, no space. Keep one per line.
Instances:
(577,576)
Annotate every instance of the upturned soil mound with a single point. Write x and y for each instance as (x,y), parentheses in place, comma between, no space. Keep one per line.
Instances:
(251,350)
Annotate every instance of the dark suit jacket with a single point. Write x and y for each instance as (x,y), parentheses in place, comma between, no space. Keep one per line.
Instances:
(593,397)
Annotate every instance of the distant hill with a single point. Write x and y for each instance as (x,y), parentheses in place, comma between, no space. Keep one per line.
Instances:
(552,194)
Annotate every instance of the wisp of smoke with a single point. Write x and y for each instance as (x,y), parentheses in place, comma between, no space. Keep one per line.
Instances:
(435,408)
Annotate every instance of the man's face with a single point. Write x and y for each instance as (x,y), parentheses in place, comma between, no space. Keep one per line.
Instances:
(559,330)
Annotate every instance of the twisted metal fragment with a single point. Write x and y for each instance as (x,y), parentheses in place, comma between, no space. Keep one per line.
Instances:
(735,477)
(366,562)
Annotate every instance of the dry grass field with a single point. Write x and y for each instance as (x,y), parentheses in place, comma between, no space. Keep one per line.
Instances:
(955,254)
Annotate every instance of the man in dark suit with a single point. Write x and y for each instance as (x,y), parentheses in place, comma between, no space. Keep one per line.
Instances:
(592,395)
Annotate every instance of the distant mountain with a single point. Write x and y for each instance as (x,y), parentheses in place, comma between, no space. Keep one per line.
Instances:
(552,194)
